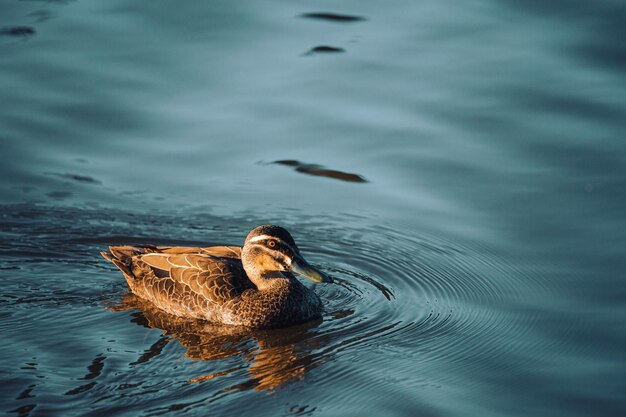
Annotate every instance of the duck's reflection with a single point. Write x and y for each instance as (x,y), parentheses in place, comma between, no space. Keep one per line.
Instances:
(273,357)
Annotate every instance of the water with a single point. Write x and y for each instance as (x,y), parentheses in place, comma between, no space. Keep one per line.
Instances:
(457,167)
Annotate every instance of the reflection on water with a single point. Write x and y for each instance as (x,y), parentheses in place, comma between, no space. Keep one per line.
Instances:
(276,357)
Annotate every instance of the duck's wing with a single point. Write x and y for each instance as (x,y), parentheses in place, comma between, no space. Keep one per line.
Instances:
(176,277)
(217,251)
(217,279)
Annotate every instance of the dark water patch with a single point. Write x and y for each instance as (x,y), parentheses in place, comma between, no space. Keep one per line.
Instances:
(46,298)
(319,170)
(30,365)
(95,368)
(568,104)
(9,268)
(333,17)
(134,240)
(26,393)
(599,29)
(82,388)
(59,195)
(129,386)
(154,350)
(24,411)
(304,410)
(17,31)
(612,56)
(24,188)
(49,243)
(75,177)
(325,49)
(56,2)
(41,15)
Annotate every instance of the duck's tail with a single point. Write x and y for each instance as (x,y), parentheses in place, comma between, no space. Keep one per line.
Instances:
(122,257)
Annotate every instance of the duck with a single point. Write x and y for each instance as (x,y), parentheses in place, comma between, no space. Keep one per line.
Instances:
(253,285)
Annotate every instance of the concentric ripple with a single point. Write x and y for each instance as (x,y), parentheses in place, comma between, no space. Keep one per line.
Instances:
(412,293)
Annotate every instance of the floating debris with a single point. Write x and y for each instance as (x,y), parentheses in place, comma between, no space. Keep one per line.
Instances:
(324,49)
(18,31)
(319,170)
(332,17)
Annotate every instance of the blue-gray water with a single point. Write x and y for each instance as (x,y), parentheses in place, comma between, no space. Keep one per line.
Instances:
(480,266)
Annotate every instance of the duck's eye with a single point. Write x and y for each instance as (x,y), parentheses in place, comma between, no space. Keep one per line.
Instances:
(271,243)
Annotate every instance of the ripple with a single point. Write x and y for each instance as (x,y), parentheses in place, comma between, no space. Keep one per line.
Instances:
(418,293)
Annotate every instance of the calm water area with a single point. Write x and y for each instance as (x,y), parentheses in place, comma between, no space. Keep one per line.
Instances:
(458,167)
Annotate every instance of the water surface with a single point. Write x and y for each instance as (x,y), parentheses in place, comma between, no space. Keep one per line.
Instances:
(458,168)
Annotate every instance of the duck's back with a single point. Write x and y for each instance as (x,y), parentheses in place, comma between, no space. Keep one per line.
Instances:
(187,282)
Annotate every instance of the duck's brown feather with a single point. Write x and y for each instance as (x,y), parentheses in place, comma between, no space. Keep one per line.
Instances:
(183,281)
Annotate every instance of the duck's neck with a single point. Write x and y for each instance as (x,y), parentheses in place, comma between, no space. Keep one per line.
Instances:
(274,281)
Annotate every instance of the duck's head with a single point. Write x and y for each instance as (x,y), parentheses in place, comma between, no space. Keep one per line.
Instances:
(270,252)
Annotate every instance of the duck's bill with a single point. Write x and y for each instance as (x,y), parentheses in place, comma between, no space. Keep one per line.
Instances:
(301,267)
